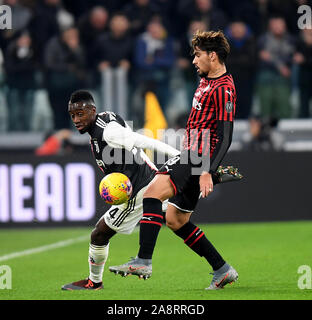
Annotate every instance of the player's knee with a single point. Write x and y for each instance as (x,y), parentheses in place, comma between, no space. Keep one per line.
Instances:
(173,224)
(101,234)
(176,220)
(99,238)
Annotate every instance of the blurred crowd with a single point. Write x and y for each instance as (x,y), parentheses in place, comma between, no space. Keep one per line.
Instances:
(120,49)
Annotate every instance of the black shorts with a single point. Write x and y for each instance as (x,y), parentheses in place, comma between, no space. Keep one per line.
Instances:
(185,183)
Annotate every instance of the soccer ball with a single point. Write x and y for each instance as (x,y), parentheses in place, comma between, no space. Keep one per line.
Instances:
(115,188)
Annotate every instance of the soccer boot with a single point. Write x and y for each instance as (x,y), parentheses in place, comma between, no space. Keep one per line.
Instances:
(136,266)
(85,284)
(220,279)
(227,174)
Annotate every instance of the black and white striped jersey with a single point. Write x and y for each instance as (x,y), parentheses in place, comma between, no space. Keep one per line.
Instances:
(134,164)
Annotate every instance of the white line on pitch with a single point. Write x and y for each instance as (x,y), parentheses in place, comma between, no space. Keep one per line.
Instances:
(47,247)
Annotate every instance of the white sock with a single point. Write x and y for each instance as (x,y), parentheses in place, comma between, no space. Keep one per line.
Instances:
(97,258)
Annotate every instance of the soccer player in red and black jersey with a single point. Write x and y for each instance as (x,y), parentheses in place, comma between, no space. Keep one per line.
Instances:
(186,177)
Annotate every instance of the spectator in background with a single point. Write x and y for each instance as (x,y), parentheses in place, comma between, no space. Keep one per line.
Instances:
(303,57)
(153,58)
(139,13)
(288,10)
(257,13)
(241,64)
(262,135)
(91,26)
(55,143)
(185,58)
(258,137)
(168,12)
(78,7)
(64,63)
(276,49)
(113,55)
(204,10)
(49,18)
(244,10)
(21,16)
(260,16)
(20,66)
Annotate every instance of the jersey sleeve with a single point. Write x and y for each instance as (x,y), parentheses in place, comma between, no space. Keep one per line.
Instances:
(224,134)
(117,136)
(225,102)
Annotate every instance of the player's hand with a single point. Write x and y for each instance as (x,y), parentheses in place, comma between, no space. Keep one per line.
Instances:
(205,184)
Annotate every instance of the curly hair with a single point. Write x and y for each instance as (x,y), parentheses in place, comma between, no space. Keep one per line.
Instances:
(211,41)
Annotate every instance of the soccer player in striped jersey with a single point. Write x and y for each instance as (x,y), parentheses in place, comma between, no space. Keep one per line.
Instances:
(186,177)
(116,148)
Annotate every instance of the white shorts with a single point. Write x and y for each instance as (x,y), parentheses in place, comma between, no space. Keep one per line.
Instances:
(124,217)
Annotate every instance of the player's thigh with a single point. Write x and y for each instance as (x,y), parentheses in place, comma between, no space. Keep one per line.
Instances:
(124,218)
(160,188)
(176,218)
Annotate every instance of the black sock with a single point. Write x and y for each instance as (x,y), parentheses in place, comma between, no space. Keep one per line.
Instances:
(150,225)
(197,241)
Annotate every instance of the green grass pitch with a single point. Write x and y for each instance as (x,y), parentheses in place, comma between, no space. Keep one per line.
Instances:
(266,255)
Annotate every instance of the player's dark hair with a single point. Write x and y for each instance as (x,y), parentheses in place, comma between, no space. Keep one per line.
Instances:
(211,41)
(81,96)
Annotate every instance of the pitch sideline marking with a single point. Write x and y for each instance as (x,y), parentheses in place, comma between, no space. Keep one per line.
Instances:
(44,248)
(48,247)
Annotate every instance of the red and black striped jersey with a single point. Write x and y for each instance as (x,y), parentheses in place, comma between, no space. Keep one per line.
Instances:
(214,101)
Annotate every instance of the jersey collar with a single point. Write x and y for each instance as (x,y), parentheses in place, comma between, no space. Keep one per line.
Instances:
(222,75)
(92,126)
